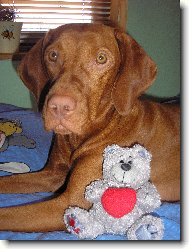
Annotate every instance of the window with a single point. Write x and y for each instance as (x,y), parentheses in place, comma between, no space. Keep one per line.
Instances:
(38,16)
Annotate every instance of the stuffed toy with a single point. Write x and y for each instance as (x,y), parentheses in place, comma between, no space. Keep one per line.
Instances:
(122,200)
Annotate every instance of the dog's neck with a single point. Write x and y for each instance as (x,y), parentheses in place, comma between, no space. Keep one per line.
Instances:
(95,128)
(100,133)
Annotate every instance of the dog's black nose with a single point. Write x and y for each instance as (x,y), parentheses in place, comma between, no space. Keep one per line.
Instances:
(126,166)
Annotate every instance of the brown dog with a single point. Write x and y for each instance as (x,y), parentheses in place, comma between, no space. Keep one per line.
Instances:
(89,78)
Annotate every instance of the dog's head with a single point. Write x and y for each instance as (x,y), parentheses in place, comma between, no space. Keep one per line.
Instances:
(79,73)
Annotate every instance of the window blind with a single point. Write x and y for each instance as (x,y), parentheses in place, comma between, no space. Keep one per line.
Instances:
(38,16)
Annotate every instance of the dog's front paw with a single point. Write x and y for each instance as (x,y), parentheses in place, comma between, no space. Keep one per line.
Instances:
(148,228)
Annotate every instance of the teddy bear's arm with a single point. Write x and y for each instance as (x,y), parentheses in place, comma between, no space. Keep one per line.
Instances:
(94,191)
(148,197)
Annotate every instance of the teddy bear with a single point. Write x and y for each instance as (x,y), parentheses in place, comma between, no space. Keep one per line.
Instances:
(122,200)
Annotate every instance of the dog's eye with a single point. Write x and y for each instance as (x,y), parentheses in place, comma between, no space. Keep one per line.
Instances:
(53,55)
(101,58)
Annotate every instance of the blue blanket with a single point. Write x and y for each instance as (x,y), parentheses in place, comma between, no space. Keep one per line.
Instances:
(34,157)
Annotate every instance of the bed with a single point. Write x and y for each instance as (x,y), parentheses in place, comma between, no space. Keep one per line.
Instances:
(29,151)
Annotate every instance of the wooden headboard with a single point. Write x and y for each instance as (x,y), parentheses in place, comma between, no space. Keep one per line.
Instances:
(119,13)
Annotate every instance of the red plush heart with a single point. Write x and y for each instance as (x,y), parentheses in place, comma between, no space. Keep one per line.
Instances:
(118,201)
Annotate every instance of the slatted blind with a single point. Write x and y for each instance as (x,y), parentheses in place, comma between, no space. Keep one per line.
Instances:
(38,16)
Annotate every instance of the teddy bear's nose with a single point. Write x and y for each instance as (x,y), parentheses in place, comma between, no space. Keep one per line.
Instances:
(126,166)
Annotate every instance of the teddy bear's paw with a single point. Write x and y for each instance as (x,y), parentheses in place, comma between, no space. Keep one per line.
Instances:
(72,222)
(148,228)
(94,191)
(82,223)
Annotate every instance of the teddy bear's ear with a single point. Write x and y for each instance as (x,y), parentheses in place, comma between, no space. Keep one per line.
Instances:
(111,149)
(143,152)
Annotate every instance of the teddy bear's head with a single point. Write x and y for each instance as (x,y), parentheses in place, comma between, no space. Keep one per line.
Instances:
(126,167)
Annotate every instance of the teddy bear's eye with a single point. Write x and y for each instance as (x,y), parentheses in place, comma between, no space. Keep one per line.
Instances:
(121,161)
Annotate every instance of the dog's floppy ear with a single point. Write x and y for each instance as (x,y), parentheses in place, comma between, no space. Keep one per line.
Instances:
(137,72)
(32,71)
